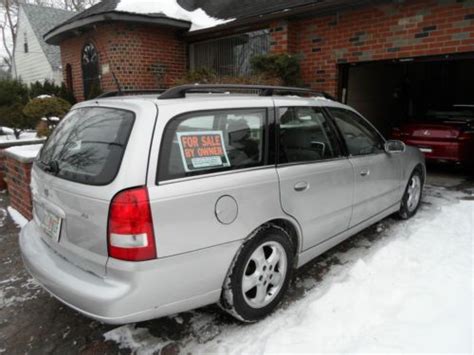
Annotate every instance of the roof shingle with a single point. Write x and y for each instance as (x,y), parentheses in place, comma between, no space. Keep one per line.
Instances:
(42,20)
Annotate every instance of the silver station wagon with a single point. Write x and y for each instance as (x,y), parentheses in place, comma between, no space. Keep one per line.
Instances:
(146,206)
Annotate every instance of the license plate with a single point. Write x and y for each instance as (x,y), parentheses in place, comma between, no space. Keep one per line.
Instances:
(426,150)
(51,225)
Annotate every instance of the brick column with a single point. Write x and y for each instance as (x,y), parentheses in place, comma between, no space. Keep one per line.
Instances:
(18,178)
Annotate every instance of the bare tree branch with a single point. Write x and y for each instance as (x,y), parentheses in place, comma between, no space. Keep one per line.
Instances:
(9,23)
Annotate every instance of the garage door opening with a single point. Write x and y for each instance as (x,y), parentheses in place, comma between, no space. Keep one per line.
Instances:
(389,93)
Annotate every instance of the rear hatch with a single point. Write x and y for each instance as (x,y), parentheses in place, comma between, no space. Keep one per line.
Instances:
(78,172)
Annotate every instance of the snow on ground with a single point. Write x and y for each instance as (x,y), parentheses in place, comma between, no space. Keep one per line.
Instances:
(407,290)
(198,18)
(9,137)
(25,151)
(17,217)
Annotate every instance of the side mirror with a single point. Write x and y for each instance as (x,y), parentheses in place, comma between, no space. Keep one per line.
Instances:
(392,147)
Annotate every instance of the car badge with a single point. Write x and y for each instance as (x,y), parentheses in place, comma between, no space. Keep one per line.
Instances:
(426,133)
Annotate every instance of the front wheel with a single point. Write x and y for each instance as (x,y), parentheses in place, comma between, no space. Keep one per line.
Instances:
(260,276)
(412,198)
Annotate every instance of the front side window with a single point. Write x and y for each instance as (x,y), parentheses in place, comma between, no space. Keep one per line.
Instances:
(88,145)
(306,136)
(360,137)
(203,143)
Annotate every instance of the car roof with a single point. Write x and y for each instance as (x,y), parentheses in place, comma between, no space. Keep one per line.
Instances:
(219,99)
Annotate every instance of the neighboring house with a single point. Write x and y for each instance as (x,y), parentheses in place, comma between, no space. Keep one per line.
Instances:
(34,59)
(390,59)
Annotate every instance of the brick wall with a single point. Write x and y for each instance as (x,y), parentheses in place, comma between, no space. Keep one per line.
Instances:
(142,57)
(3,168)
(18,175)
(3,147)
(408,29)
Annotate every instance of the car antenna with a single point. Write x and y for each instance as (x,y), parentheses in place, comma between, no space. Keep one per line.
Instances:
(119,87)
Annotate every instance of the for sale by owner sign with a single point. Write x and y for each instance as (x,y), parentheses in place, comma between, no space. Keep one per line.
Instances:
(203,150)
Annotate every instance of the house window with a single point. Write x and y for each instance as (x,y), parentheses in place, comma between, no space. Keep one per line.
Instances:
(230,55)
(25,42)
(90,71)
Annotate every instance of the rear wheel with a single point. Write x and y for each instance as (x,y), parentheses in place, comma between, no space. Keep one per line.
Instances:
(260,276)
(412,198)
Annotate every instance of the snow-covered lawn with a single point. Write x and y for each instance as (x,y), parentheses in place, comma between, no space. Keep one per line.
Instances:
(8,136)
(408,288)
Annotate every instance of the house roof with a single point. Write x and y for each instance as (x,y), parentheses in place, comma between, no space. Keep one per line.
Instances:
(42,19)
(241,11)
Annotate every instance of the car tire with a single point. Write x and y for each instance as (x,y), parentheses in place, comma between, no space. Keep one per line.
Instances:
(411,200)
(260,275)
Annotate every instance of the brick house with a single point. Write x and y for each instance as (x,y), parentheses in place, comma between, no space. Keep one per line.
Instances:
(399,54)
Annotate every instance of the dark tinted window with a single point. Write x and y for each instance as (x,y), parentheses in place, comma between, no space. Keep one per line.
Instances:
(88,145)
(360,137)
(306,136)
(202,143)
(456,113)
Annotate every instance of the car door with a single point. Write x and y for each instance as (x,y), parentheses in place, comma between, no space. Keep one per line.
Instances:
(316,180)
(377,173)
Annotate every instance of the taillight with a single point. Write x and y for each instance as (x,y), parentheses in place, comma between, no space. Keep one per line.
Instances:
(466,135)
(130,234)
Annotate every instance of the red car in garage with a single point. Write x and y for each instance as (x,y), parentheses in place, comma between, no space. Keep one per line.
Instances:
(443,135)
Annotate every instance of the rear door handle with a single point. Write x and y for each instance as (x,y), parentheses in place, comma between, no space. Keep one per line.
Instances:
(365,172)
(301,186)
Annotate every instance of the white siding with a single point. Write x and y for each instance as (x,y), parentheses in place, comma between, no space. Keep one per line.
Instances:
(32,66)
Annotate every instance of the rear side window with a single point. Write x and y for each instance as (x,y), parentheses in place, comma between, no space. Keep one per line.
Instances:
(202,143)
(88,145)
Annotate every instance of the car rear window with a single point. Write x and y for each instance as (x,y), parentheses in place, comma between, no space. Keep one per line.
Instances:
(88,145)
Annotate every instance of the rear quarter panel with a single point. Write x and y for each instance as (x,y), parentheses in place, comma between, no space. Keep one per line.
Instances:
(85,208)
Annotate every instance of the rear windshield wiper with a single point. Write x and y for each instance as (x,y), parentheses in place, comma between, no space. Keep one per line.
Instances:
(51,167)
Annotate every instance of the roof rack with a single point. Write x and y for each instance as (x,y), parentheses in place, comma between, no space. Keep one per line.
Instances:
(180,92)
(130,92)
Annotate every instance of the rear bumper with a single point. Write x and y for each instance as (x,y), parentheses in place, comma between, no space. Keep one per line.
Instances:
(457,152)
(130,292)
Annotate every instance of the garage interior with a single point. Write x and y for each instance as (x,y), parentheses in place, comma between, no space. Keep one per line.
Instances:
(391,92)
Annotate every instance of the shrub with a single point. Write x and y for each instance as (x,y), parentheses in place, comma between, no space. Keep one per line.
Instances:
(282,66)
(50,88)
(50,109)
(208,76)
(13,92)
(12,116)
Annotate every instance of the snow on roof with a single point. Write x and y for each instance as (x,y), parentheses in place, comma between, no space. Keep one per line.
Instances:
(170,8)
(24,153)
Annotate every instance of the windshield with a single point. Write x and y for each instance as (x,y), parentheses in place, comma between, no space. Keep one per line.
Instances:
(455,113)
(88,145)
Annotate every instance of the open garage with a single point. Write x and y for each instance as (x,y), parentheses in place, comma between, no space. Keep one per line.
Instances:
(391,92)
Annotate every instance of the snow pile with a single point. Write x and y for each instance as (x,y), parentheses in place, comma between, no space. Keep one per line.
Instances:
(42,97)
(8,136)
(7,130)
(199,18)
(413,295)
(17,217)
(25,151)
(139,340)
(52,119)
